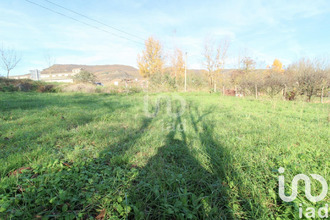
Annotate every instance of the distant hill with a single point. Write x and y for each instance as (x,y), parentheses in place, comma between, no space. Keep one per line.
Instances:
(103,72)
(107,73)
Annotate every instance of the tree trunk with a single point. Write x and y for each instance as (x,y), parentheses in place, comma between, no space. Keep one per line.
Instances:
(310,94)
(7,74)
(256,88)
(175,78)
(322,91)
(215,87)
(223,90)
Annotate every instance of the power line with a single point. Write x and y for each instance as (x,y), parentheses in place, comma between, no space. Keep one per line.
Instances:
(90,25)
(92,19)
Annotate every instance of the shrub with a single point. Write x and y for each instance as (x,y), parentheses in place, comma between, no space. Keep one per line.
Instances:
(84,77)
(291,95)
(274,83)
(46,88)
(9,88)
(80,87)
(25,85)
(134,90)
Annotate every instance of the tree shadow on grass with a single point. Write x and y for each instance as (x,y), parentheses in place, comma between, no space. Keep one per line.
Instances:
(41,130)
(179,182)
(175,185)
(240,203)
(74,189)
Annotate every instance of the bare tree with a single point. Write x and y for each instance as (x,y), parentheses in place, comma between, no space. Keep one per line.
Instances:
(9,59)
(215,59)
(238,76)
(251,78)
(310,76)
(274,82)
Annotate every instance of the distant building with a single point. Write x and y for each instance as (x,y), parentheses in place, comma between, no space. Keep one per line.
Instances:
(26,76)
(35,74)
(60,76)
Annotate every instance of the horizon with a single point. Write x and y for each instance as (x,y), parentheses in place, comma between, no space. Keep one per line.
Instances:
(286,31)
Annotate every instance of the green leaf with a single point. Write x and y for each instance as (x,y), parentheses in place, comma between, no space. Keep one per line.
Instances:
(64,208)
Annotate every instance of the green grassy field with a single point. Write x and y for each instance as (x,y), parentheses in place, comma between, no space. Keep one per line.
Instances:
(88,155)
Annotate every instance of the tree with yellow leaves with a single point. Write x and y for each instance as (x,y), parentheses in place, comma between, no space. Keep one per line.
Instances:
(277,66)
(151,61)
(177,65)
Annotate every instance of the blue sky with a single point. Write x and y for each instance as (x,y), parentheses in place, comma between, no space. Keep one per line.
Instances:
(262,29)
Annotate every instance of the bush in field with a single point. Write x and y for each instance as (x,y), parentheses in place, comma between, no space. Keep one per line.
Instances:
(196,81)
(84,77)
(252,82)
(25,85)
(310,76)
(9,88)
(163,81)
(80,87)
(47,88)
(274,83)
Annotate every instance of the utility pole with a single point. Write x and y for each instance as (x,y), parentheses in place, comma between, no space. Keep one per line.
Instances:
(185,75)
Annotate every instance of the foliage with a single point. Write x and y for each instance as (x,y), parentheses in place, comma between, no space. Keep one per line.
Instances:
(274,83)
(250,78)
(89,155)
(177,65)
(25,85)
(277,66)
(214,59)
(151,61)
(134,89)
(162,82)
(306,77)
(84,77)
(248,64)
(310,76)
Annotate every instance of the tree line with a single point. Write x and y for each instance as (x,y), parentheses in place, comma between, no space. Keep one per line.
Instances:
(305,77)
